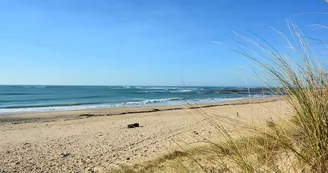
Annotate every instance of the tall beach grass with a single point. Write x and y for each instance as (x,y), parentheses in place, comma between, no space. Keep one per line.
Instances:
(301,74)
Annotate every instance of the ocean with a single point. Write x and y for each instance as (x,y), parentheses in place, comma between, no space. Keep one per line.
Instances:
(27,98)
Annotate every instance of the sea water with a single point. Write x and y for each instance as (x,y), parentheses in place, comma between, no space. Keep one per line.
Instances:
(27,98)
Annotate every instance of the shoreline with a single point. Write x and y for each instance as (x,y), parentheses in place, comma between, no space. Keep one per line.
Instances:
(78,114)
(174,101)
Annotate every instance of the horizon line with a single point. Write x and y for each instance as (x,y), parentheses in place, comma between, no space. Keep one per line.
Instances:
(130,85)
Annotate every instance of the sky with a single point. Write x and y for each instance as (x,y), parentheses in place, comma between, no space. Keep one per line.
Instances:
(140,42)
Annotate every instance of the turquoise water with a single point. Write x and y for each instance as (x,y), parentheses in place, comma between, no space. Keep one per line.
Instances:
(20,99)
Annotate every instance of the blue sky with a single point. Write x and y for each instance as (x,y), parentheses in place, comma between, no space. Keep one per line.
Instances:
(138,42)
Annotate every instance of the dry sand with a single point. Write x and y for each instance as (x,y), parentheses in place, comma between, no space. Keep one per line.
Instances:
(68,142)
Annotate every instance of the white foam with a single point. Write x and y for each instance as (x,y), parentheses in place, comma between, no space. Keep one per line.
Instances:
(36,86)
(182,91)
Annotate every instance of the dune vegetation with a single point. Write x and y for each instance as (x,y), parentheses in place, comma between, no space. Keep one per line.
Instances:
(298,144)
(299,71)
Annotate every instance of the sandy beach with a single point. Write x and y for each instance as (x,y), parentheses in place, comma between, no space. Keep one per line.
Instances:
(99,140)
